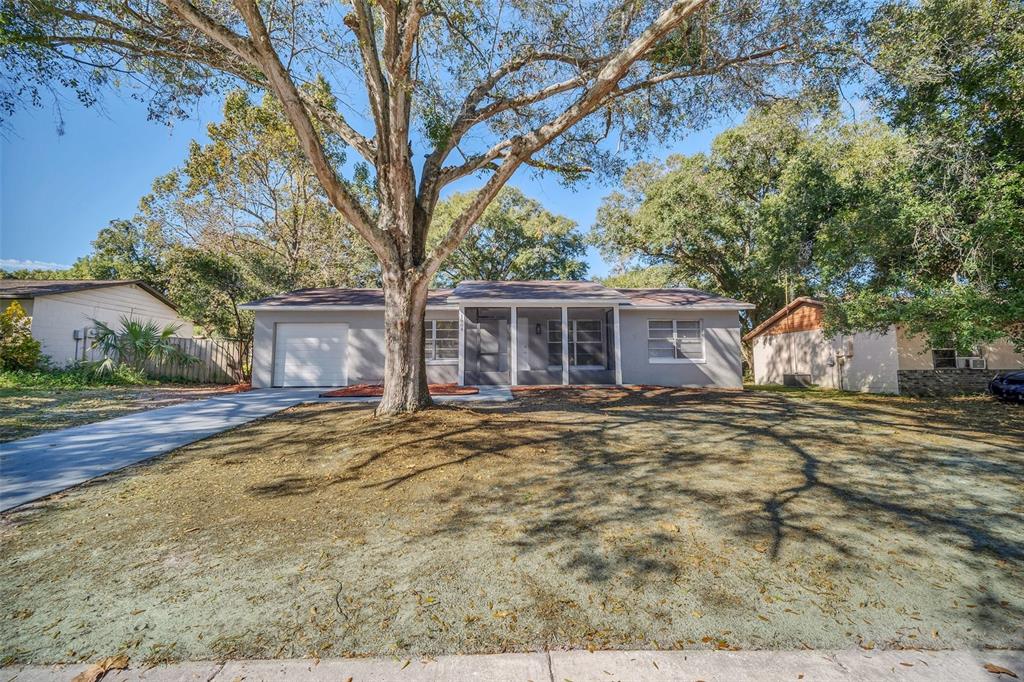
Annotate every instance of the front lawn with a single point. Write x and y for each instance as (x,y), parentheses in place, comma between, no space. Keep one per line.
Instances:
(35,402)
(607,519)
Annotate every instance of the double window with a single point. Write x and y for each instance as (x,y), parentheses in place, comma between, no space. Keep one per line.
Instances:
(675,341)
(586,343)
(442,340)
(949,358)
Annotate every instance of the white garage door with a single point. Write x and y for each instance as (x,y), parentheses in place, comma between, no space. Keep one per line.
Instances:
(311,354)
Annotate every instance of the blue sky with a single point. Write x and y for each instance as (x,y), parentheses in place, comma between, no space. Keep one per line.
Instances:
(57,191)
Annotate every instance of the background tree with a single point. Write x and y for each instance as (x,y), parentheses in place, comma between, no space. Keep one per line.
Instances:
(515,238)
(653,277)
(122,250)
(209,286)
(502,86)
(702,219)
(250,193)
(785,204)
(951,77)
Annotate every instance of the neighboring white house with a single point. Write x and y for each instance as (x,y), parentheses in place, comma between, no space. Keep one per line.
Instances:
(510,333)
(62,310)
(791,348)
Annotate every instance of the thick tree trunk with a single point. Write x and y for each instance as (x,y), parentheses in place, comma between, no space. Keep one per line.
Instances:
(405,368)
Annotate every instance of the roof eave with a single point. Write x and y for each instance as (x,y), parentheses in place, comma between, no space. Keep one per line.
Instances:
(329,306)
(90,287)
(536,302)
(693,306)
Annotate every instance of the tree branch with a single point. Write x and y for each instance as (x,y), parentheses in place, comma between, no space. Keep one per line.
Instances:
(521,148)
(288,94)
(376,84)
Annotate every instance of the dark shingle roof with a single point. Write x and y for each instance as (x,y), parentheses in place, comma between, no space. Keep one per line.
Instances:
(336,297)
(34,288)
(677,297)
(533,290)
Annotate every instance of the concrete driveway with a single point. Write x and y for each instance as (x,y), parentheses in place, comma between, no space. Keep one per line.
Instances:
(42,465)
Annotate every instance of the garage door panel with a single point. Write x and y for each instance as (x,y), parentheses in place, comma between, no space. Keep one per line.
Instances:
(310,354)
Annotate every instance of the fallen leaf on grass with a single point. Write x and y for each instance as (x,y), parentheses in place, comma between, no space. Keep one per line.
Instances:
(97,670)
(999,670)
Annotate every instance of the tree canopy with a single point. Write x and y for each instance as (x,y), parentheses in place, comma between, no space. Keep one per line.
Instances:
(515,238)
(751,218)
(916,219)
(951,77)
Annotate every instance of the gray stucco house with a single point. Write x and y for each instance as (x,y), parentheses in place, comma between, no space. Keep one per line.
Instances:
(507,333)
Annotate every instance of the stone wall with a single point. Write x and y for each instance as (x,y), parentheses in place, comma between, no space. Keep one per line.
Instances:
(944,381)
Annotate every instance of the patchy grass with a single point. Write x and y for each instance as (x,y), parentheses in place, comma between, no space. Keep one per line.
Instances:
(27,411)
(609,519)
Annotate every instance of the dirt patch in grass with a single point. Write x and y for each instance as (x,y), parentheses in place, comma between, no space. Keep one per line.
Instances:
(608,519)
(27,412)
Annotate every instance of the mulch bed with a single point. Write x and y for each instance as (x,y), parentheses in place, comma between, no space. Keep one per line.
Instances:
(377,390)
(585,387)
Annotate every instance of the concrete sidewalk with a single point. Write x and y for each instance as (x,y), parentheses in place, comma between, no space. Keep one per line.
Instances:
(582,666)
(48,463)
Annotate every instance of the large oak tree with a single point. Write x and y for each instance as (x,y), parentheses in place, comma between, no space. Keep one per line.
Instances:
(429,92)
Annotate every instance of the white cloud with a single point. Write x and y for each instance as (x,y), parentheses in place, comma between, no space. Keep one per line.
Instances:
(18,264)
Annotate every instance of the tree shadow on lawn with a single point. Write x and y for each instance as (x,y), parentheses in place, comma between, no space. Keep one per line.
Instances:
(839,473)
(673,514)
(785,476)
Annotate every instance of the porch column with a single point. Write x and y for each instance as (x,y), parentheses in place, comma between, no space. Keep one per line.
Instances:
(514,351)
(462,346)
(617,335)
(565,345)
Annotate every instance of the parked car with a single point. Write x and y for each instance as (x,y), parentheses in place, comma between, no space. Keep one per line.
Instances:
(1008,386)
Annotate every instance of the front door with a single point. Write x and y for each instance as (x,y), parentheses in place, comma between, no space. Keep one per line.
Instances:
(487,339)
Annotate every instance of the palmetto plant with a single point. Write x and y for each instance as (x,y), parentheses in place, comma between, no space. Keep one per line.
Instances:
(134,344)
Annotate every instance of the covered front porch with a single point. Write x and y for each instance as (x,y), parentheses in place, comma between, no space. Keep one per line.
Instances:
(534,345)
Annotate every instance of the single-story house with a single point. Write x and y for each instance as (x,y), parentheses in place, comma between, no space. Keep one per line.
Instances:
(62,310)
(506,333)
(790,348)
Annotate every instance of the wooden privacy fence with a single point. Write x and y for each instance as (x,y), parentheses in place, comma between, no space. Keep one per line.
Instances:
(218,361)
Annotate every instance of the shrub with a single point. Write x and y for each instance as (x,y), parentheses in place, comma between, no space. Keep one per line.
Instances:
(72,378)
(18,350)
(135,344)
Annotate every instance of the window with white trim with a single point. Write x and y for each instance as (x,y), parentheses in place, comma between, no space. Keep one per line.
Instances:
(442,340)
(675,341)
